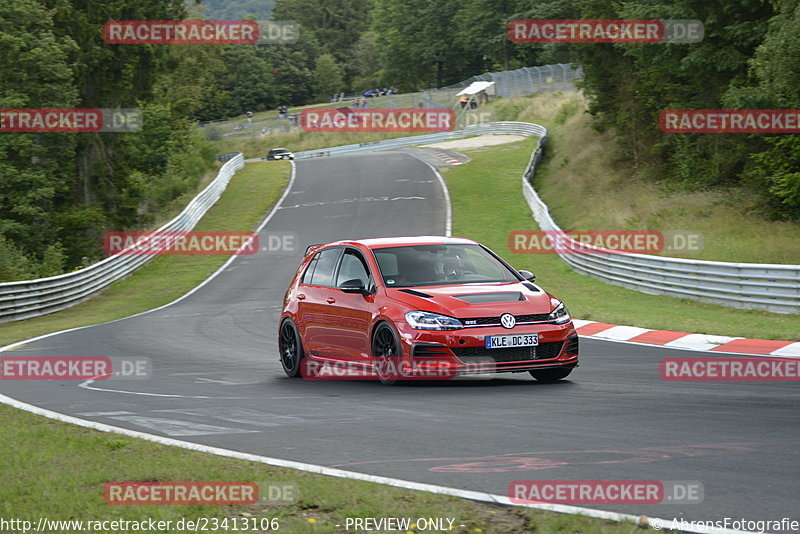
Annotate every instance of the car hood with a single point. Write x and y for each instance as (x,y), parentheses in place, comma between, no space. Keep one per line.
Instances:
(475,300)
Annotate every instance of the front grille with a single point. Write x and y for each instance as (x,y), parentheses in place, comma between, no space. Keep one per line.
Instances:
(421,350)
(572,345)
(531,317)
(486,321)
(544,351)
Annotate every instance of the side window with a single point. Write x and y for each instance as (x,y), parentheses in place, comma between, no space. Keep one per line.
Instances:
(325,264)
(352,266)
(310,270)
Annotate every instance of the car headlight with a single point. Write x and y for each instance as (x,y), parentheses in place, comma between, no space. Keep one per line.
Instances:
(422,320)
(560,315)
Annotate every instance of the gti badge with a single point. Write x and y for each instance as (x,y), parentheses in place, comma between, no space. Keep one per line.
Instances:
(507,320)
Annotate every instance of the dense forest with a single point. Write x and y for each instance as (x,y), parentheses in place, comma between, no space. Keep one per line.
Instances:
(60,191)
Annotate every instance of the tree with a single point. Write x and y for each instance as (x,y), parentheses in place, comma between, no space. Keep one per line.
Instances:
(336,24)
(364,64)
(418,44)
(35,174)
(775,69)
(328,79)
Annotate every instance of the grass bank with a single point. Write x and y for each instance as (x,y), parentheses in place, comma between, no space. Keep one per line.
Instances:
(589,186)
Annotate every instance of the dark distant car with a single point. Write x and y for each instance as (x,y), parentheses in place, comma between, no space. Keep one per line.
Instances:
(279,153)
(450,303)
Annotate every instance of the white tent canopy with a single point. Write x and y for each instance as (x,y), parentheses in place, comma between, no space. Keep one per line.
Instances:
(476,87)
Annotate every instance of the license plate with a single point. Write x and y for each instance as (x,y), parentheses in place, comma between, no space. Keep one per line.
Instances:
(515,340)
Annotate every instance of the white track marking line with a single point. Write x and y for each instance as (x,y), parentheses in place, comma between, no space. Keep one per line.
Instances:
(621,332)
(788,350)
(448,226)
(176,427)
(699,341)
(99,414)
(88,385)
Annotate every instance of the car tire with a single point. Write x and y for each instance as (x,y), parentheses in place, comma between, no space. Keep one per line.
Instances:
(550,375)
(386,353)
(290,348)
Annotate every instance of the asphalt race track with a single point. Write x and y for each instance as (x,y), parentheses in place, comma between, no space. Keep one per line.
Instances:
(217,381)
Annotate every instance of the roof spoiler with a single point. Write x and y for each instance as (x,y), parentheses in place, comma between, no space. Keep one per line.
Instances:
(309,247)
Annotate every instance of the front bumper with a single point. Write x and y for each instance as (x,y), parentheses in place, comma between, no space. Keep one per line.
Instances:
(463,351)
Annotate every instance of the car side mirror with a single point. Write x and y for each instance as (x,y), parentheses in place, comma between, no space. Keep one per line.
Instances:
(527,275)
(354,285)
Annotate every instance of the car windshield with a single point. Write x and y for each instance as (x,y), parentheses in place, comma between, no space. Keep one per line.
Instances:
(428,265)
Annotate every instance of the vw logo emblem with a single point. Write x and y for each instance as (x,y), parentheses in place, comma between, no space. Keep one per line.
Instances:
(507,320)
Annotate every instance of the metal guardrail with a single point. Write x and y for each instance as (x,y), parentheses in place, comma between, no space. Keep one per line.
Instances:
(761,286)
(32,298)
(528,80)
(771,287)
(510,128)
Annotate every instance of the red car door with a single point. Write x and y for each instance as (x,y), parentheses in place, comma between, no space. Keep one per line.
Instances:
(315,311)
(353,312)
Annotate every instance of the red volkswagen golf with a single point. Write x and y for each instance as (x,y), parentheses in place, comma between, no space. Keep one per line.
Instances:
(420,308)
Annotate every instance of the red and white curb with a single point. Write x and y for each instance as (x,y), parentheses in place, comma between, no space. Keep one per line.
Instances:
(686,341)
(447,158)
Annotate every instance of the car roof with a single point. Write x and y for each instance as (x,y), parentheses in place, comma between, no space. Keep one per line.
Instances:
(383,242)
(279,149)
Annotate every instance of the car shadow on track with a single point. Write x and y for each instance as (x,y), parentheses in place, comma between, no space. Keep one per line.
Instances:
(460,383)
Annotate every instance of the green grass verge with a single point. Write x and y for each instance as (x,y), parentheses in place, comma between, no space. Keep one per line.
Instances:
(250,194)
(55,470)
(589,185)
(488,204)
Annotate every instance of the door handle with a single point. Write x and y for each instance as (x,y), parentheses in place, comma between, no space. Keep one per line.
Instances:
(330,300)
(300,296)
